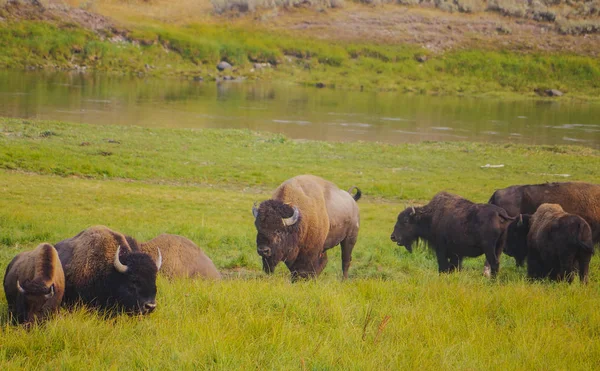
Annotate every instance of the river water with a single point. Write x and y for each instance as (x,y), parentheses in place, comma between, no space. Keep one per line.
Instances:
(298,112)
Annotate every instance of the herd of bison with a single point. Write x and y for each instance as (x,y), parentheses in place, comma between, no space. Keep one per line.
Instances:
(552,227)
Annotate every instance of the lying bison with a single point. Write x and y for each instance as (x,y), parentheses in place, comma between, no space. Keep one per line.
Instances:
(455,228)
(102,270)
(306,216)
(181,258)
(557,244)
(34,284)
(578,198)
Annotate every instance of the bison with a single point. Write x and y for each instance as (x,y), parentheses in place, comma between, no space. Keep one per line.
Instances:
(454,227)
(306,216)
(181,258)
(577,198)
(102,270)
(557,244)
(34,284)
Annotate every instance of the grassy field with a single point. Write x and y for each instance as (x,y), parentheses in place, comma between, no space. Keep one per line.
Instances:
(395,310)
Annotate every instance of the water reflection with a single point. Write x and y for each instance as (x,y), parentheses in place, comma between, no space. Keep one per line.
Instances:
(298,112)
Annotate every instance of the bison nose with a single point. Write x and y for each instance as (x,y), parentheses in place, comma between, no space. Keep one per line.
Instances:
(393,238)
(149,306)
(264,251)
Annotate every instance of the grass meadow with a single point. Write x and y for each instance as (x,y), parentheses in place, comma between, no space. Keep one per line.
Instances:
(395,311)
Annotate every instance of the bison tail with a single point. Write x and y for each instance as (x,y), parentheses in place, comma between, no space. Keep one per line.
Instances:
(358,193)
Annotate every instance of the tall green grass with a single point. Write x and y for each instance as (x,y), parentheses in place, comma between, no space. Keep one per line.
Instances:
(395,311)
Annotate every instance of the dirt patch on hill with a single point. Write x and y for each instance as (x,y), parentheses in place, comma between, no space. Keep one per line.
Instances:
(56,11)
(436,30)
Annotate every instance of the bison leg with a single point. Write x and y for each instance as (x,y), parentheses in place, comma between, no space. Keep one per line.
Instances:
(455,263)
(307,266)
(347,246)
(492,261)
(584,266)
(442,259)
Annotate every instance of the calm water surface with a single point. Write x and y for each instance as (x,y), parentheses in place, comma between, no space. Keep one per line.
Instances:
(297,112)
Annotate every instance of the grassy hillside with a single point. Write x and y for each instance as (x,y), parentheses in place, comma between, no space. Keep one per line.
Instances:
(395,310)
(488,62)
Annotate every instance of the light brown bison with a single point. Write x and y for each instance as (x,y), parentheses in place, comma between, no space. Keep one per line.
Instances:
(558,244)
(577,198)
(454,227)
(181,258)
(306,216)
(102,270)
(34,284)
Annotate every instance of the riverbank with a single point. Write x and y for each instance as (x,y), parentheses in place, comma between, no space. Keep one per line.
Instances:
(58,178)
(278,50)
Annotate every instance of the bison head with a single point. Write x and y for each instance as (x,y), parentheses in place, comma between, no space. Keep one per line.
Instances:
(31,300)
(516,239)
(406,230)
(133,282)
(278,227)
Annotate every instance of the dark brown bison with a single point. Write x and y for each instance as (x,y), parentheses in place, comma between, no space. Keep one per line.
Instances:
(181,258)
(557,244)
(454,227)
(306,216)
(102,270)
(577,198)
(34,284)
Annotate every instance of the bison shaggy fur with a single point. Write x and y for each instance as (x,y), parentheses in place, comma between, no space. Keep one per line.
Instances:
(34,284)
(102,270)
(181,258)
(577,198)
(305,217)
(557,245)
(454,227)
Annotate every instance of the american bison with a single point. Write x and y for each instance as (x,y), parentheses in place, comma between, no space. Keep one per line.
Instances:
(577,198)
(516,239)
(557,244)
(181,258)
(102,270)
(454,227)
(306,216)
(34,284)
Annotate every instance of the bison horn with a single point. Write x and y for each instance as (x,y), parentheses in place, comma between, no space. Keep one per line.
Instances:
(21,290)
(413,210)
(51,293)
(159,260)
(520,223)
(120,267)
(254,211)
(292,219)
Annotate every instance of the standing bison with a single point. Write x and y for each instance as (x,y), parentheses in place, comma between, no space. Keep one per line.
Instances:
(306,216)
(557,244)
(454,227)
(577,198)
(102,270)
(34,284)
(181,258)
